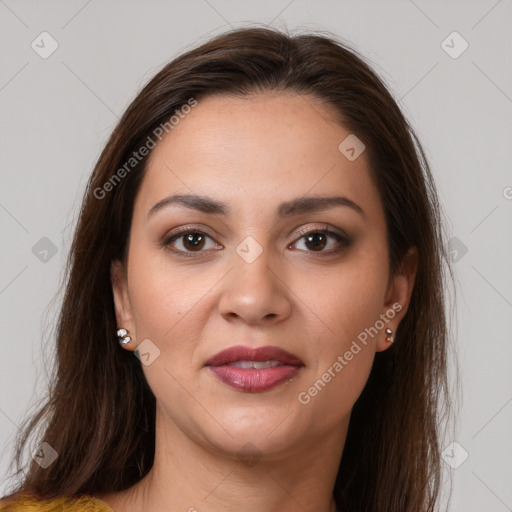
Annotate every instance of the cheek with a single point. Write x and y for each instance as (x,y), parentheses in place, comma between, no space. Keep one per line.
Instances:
(345,306)
(342,351)
(164,301)
(344,300)
(331,395)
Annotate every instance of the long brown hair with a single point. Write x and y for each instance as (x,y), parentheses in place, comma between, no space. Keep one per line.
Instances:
(100,412)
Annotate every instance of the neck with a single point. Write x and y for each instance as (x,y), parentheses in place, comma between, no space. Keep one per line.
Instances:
(189,475)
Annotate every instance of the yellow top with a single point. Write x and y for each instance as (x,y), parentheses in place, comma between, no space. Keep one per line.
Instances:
(27,503)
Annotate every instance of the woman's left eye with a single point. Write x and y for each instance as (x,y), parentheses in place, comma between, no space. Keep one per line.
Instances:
(192,241)
(317,240)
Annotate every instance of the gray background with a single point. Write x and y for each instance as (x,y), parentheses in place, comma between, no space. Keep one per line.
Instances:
(57,113)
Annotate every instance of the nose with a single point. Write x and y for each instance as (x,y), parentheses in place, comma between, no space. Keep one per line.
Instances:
(256,292)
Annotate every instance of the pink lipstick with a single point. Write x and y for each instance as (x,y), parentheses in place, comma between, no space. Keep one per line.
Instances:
(254,369)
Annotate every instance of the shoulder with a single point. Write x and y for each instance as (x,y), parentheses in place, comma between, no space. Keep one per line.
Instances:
(28,503)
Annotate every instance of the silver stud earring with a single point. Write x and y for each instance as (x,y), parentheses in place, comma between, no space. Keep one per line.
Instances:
(389,338)
(124,339)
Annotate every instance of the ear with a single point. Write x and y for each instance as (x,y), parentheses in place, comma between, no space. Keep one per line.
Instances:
(122,304)
(398,296)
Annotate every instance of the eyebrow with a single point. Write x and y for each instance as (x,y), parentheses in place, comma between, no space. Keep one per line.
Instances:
(290,208)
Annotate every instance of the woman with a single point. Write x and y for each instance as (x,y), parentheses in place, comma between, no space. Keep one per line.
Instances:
(263,233)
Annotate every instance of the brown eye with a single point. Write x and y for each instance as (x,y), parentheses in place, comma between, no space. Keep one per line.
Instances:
(193,241)
(317,240)
(187,242)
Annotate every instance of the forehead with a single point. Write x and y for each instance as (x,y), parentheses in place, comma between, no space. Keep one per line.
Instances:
(256,150)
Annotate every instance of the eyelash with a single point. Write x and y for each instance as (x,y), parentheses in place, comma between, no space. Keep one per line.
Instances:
(343,240)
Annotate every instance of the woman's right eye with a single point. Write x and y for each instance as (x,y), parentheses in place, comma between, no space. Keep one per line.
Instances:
(191,241)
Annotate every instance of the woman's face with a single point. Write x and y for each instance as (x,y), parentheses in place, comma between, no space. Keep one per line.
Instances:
(250,275)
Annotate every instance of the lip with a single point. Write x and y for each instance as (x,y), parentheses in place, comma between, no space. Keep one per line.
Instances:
(251,379)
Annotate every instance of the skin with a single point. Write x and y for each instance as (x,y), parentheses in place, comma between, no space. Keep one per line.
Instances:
(252,153)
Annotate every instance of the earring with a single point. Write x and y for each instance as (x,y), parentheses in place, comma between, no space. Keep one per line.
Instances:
(124,339)
(389,338)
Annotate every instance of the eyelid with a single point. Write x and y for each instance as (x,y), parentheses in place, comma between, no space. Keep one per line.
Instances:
(190,228)
(322,227)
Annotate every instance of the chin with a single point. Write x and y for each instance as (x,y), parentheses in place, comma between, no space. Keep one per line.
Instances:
(259,430)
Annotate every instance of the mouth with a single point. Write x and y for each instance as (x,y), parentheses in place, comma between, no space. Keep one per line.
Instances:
(254,370)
